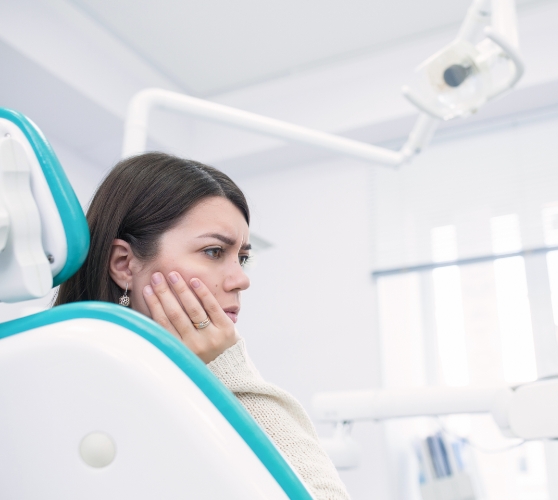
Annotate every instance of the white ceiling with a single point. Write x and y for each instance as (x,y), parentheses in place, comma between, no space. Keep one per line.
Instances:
(74,76)
(210,46)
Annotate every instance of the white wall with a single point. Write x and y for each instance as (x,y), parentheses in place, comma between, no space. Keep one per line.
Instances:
(465,181)
(309,316)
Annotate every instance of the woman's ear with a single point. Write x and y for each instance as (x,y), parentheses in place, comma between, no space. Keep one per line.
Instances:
(121,256)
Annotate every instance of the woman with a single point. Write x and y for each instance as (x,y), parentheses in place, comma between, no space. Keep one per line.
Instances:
(170,238)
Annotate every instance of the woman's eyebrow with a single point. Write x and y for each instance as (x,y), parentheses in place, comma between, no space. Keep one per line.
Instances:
(225,239)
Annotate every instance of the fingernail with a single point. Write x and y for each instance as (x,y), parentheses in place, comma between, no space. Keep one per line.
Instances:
(195,282)
(173,277)
(148,290)
(157,278)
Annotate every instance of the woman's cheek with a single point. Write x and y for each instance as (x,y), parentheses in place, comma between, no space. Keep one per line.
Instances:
(190,272)
(137,302)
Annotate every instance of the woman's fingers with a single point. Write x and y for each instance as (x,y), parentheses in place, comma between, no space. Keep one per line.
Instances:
(158,314)
(177,307)
(189,301)
(170,305)
(221,333)
(216,314)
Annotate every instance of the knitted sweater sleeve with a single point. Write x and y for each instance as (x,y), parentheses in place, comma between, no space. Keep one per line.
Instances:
(283,419)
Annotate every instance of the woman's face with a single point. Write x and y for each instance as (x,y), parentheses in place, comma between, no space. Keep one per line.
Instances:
(211,242)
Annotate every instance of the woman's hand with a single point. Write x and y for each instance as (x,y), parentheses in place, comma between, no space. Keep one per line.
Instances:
(178,316)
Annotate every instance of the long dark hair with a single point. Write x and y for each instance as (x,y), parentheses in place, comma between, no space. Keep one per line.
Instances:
(141,198)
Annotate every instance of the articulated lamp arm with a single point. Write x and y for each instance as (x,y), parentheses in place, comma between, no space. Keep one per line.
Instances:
(136,128)
(528,411)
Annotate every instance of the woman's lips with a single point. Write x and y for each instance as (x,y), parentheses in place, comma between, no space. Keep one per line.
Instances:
(232,315)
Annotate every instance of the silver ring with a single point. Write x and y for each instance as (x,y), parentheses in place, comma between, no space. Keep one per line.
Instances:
(202,324)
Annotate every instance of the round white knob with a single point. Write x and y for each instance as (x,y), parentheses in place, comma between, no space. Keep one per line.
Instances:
(97,449)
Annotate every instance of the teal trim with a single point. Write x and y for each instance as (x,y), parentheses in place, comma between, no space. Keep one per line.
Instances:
(190,364)
(73,219)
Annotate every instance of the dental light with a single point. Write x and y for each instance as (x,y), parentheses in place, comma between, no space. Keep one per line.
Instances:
(479,65)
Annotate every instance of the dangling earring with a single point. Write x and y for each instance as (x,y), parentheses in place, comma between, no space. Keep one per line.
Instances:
(124,300)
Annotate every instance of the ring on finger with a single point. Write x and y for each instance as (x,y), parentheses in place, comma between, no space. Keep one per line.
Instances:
(202,324)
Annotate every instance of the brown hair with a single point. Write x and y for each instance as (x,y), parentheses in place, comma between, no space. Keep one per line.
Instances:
(141,198)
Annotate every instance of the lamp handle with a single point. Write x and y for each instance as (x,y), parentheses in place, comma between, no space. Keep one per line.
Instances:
(511,52)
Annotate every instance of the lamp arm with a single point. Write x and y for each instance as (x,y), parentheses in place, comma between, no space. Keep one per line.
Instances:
(420,135)
(477,19)
(402,403)
(504,20)
(528,411)
(136,127)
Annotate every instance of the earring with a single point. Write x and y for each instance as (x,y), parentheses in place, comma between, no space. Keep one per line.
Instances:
(124,300)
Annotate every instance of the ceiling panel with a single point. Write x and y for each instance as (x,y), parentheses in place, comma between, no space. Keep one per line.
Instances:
(215,45)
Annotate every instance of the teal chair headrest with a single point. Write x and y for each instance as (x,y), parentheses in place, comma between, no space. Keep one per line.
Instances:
(71,213)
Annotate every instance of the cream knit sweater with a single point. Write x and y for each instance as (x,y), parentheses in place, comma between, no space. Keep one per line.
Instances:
(283,419)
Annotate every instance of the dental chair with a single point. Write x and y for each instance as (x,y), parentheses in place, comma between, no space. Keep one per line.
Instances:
(96,400)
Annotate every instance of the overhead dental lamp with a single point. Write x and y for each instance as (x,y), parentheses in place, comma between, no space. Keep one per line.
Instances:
(480,64)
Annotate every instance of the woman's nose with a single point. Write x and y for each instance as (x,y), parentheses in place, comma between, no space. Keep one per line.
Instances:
(237,279)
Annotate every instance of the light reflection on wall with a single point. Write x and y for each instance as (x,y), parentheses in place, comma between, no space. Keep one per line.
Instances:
(514,316)
(448,304)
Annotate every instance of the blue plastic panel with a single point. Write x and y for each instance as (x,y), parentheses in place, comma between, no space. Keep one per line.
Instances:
(190,364)
(71,213)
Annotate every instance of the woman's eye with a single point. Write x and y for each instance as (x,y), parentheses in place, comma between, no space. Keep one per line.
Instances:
(244,259)
(214,253)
